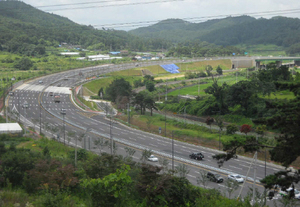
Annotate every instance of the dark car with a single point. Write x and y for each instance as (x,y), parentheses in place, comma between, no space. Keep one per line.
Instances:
(215,177)
(197,156)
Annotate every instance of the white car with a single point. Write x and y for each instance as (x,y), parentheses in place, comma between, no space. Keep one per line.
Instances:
(40,81)
(153,158)
(236,178)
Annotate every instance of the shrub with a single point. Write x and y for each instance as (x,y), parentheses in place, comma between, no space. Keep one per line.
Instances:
(231,129)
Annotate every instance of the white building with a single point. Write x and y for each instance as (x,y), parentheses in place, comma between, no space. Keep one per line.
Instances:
(10,128)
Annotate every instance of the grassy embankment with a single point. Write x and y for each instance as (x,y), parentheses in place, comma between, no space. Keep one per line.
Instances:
(263,50)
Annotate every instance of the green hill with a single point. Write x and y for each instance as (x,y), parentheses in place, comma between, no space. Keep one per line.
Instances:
(22,27)
(177,30)
(280,31)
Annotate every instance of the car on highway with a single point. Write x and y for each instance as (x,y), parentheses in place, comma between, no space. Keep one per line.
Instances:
(215,177)
(153,158)
(196,156)
(236,178)
(40,81)
(56,99)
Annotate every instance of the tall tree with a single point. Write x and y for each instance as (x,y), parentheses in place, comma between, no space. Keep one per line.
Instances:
(219,92)
(119,87)
(149,102)
(241,93)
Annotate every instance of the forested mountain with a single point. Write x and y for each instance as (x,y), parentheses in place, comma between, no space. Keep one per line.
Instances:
(178,30)
(281,31)
(23,27)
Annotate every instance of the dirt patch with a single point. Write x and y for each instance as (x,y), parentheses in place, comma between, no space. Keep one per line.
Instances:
(169,77)
(146,72)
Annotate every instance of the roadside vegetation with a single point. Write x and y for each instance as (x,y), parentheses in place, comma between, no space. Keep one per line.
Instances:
(42,173)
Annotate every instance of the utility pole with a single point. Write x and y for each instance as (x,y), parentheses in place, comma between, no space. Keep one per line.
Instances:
(165,122)
(236,71)
(199,88)
(254,167)
(75,151)
(106,109)
(265,162)
(18,105)
(25,105)
(63,112)
(111,138)
(128,113)
(40,121)
(166,97)
(173,151)
(185,115)
(84,142)
(6,114)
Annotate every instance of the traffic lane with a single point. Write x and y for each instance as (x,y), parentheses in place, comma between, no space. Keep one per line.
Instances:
(153,143)
(193,174)
(138,136)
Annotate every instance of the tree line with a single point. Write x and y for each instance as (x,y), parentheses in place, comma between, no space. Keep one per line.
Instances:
(46,179)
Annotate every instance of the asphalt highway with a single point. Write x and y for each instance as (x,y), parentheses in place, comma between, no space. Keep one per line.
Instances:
(43,114)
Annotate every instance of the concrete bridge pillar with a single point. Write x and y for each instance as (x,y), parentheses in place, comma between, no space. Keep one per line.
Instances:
(257,65)
(297,63)
(278,63)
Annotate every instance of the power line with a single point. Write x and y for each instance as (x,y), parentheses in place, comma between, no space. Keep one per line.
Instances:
(93,2)
(113,5)
(147,23)
(199,19)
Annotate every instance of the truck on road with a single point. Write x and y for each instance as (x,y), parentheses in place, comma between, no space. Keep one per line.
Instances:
(56,99)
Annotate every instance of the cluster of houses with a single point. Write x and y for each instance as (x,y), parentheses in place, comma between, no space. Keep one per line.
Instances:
(112,55)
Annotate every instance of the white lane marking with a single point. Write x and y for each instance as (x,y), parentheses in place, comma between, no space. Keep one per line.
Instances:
(132,138)
(236,167)
(153,145)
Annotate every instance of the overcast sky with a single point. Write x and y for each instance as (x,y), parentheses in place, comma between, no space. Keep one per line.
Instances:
(108,14)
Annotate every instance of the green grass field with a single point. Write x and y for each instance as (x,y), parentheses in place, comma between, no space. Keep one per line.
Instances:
(263,50)
(95,85)
(181,130)
(193,90)
(280,95)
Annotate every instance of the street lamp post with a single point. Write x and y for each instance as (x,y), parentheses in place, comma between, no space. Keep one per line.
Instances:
(111,137)
(18,106)
(40,121)
(63,112)
(25,106)
(173,151)
(166,98)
